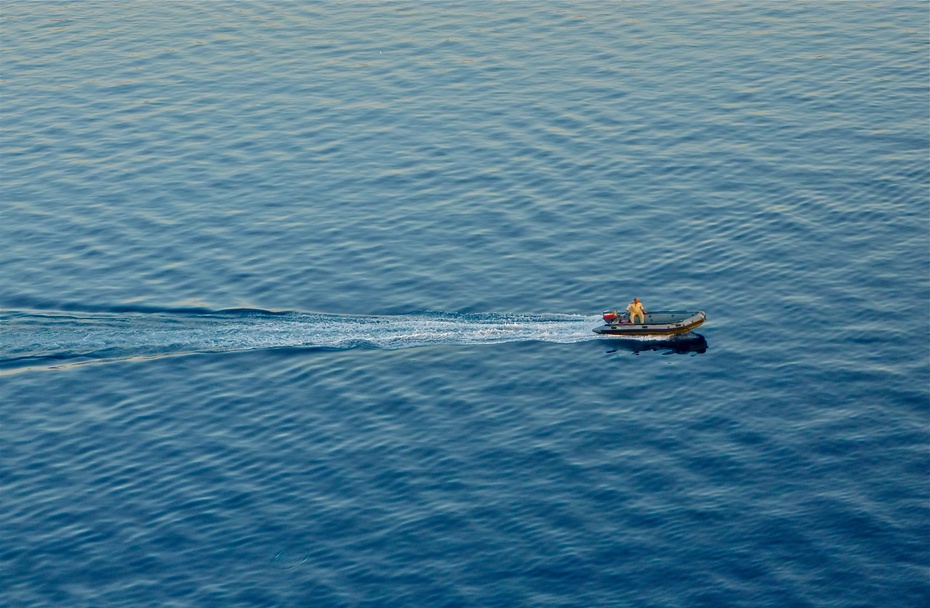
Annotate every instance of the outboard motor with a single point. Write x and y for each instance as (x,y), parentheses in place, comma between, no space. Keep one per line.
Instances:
(611,317)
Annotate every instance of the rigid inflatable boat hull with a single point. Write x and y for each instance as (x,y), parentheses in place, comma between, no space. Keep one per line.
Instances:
(660,323)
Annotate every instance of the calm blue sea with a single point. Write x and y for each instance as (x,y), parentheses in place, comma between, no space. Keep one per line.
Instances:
(296,304)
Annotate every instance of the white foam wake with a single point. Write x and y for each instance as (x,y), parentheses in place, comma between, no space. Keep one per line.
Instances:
(120,335)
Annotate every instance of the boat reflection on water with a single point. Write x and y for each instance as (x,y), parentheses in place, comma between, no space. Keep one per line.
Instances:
(680,344)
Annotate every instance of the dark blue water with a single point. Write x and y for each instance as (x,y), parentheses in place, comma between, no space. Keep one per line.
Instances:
(296,304)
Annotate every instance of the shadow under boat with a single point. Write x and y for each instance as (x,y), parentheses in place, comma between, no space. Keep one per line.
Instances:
(679,344)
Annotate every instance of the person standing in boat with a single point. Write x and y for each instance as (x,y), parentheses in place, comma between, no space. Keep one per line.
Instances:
(635,309)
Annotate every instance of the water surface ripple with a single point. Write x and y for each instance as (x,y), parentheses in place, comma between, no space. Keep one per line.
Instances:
(171,170)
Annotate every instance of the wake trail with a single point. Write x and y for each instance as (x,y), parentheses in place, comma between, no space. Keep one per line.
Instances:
(29,338)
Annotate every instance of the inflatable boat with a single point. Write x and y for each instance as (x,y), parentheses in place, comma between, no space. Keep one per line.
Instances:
(659,323)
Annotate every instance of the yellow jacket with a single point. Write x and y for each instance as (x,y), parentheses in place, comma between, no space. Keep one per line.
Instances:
(635,308)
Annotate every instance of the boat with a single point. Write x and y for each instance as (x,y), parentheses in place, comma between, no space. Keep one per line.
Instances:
(658,323)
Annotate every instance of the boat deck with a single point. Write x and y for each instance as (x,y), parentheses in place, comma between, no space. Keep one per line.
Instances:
(661,322)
